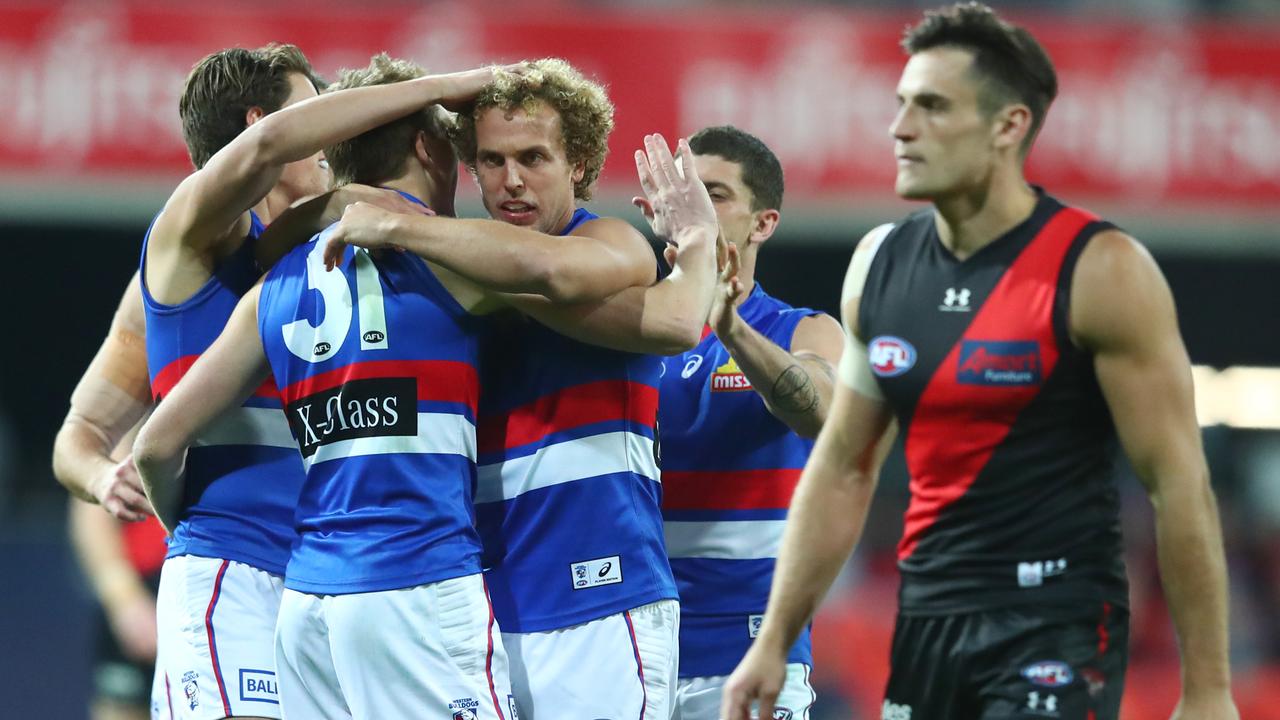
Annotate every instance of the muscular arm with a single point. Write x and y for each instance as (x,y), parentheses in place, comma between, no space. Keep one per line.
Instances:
(796,386)
(112,396)
(222,378)
(209,208)
(304,219)
(127,601)
(827,512)
(599,259)
(1122,310)
(663,319)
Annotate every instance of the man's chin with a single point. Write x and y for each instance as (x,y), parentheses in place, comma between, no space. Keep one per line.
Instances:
(912,191)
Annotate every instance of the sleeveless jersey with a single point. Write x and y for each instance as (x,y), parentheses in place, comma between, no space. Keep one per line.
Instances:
(1009,444)
(729,468)
(242,473)
(377,367)
(568,492)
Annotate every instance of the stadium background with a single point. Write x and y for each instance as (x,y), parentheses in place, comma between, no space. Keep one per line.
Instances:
(1168,123)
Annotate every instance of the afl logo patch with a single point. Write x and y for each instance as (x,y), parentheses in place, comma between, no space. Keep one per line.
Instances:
(890,356)
(1048,673)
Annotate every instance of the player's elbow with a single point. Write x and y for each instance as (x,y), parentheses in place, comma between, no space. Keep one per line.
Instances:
(561,282)
(62,450)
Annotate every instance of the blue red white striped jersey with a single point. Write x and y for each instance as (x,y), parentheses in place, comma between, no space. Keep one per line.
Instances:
(377,367)
(728,471)
(568,492)
(242,473)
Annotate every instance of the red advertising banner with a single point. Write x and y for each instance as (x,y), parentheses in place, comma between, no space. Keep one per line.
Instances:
(1150,115)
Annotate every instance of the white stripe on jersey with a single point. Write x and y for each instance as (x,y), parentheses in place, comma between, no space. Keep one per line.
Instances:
(727,540)
(567,461)
(438,434)
(249,426)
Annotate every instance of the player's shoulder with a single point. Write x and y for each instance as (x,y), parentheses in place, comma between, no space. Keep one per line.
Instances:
(179,221)
(607,228)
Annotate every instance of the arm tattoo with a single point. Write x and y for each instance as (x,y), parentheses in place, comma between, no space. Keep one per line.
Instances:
(793,391)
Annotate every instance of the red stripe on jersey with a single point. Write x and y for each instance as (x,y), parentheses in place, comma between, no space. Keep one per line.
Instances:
(440,380)
(949,443)
(736,490)
(568,408)
(171,374)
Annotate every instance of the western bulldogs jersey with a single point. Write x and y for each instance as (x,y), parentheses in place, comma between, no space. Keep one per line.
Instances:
(1009,443)
(377,367)
(242,473)
(568,491)
(729,468)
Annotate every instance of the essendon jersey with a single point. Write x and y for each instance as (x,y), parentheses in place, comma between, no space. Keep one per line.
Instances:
(1009,444)
(242,474)
(729,468)
(568,489)
(376,364)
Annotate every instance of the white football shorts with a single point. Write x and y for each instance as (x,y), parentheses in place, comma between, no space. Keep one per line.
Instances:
(215,625)
(619,667)
(420,653)
(699,698)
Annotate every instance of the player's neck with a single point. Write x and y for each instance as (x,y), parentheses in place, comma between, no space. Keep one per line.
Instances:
(422,187)
(968,222)
(271,206)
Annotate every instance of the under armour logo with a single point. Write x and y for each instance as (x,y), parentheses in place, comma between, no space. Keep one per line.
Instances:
(955,300)
(1047,704)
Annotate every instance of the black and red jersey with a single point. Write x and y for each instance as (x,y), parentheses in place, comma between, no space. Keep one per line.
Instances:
(1010,447)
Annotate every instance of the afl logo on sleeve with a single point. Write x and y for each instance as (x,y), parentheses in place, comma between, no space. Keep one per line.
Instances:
(890,356)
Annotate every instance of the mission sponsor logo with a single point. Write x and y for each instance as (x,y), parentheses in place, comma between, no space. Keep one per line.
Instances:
(729,378)
(377,407)
(890,356)
(991,362)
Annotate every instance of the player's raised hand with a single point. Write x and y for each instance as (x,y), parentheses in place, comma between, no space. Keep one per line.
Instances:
(675,201)
(758,678)
(120,493)
(729,290)
(362,225)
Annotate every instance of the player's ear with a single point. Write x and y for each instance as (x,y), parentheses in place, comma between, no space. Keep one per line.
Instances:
(422,149)
(1011,125)
(763,225)
(253,115)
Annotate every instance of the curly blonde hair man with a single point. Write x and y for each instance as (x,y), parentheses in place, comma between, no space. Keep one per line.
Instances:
(586,114)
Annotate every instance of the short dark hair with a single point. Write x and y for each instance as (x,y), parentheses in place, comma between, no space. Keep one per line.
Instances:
(223,86)
(761,171)
(1012,64)
(378,155)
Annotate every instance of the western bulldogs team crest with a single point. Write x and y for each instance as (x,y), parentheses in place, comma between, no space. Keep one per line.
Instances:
(890,356)
(465,709)
(191,688)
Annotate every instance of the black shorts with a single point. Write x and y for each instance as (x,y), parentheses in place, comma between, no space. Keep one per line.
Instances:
(1061,663)
(116,677)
